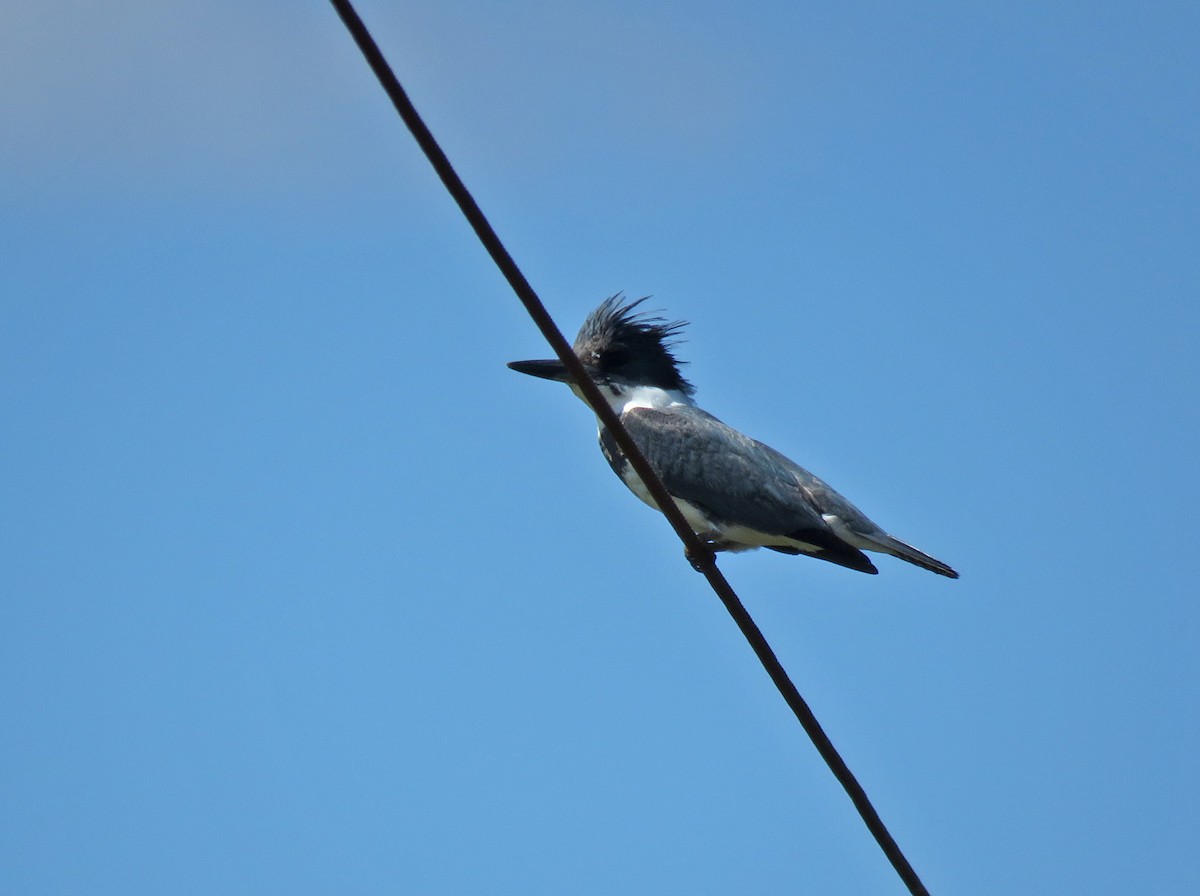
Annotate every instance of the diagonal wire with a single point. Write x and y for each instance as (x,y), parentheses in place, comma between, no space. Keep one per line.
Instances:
(698,552)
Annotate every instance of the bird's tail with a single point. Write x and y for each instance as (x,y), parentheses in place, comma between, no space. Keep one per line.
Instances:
(898,548)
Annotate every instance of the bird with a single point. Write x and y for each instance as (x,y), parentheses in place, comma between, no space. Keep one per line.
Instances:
(736,493)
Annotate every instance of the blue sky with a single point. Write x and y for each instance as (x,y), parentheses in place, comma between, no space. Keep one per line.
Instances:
(303,592)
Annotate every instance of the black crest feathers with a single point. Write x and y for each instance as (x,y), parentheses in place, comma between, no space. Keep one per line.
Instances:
(622,344)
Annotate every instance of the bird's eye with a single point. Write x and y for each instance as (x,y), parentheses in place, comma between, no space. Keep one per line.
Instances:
(615,358)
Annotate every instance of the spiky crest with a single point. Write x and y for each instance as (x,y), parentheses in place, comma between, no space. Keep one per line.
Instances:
(624,345)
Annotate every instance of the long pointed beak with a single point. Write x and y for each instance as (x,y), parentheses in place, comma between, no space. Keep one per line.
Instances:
(553,369)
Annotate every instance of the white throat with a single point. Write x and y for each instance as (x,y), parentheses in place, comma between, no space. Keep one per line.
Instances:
(626,398)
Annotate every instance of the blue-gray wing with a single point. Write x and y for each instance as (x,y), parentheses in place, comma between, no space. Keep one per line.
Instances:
(733,477)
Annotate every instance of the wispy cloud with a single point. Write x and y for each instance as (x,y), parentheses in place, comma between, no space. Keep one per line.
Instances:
(159,93)
(181,96)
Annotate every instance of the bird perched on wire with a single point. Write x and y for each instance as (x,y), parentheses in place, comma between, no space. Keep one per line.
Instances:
(736,493)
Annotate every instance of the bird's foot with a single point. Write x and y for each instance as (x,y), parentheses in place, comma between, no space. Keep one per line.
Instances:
(703,561)
(712,547)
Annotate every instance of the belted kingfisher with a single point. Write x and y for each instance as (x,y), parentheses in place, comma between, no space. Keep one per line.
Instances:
(736,493)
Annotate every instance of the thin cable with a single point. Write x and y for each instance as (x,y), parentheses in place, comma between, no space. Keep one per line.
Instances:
(699,554)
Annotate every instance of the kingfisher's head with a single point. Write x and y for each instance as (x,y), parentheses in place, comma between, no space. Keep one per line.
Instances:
(621,350)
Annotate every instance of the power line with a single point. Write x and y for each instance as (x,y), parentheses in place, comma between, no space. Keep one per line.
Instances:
(698,553)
